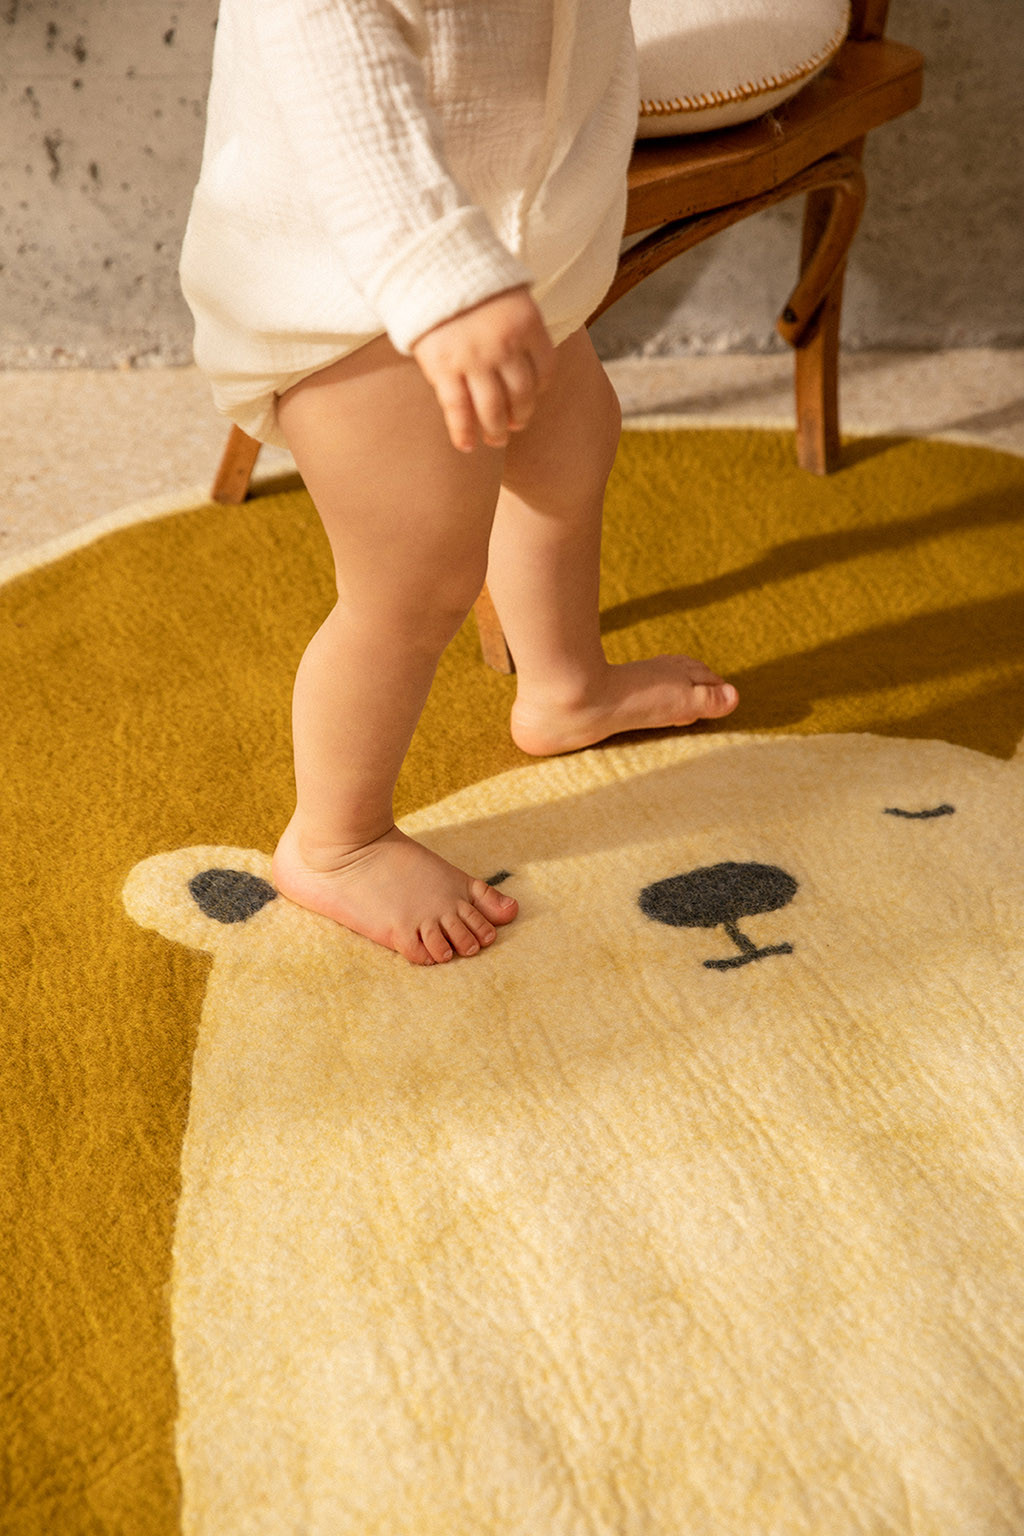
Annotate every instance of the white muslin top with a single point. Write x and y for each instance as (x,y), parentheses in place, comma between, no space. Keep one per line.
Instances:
(377,166)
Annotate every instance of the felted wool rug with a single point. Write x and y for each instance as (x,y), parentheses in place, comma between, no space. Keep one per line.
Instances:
(694,1205)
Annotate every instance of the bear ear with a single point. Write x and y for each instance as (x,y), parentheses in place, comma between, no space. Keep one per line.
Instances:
(197,896)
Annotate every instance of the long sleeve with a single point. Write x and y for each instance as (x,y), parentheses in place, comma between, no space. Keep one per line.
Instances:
(350,91)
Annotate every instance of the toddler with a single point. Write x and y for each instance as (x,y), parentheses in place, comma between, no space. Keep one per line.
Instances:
(407,210)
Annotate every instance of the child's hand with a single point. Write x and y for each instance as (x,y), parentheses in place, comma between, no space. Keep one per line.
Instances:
(487,366)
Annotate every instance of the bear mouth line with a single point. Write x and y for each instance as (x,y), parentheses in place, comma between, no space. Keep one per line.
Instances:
(748,951)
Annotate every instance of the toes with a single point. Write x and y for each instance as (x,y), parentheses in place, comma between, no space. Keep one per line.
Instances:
(415,951)
(495,905)
(451,935)
(482,930)
(461,935)
(464,931)
(715,699)
(435,942)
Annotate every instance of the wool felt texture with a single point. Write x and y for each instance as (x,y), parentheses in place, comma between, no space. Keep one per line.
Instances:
(147,679)
(648,1222)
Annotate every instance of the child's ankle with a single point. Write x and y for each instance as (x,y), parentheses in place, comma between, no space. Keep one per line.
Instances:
(568,688)
(321,848)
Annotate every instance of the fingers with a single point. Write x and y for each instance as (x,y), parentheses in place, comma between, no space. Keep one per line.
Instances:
(497,402)
(459,412)
(477,405)
(490,405)
(503,399)
(520,382)
(487,367)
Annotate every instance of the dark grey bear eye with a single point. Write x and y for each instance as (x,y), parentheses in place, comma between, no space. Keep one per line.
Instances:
(939,810)
(230,895)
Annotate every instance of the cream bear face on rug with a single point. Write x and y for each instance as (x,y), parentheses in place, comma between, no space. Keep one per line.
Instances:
(694,1204)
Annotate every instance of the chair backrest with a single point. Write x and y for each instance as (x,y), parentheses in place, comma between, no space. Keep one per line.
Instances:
(867,19)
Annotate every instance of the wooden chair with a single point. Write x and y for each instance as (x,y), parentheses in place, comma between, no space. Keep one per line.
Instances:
(685,188)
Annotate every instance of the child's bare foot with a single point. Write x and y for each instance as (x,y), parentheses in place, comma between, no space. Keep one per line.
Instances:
(396,892)
(636,695)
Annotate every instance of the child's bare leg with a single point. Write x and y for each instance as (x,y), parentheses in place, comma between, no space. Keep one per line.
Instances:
(408,518)
(543,575)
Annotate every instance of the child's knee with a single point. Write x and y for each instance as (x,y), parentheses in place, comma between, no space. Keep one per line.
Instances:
(423,606)
(445,610)
(571,453)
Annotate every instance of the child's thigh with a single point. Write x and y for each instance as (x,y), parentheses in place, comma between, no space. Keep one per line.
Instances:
(566,451)
(370,441)
(372,412)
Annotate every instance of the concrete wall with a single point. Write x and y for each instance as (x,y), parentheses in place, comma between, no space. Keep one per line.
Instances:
(101,121)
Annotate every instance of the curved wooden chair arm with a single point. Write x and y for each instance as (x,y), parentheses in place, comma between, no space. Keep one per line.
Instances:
(842,173)
(826,255)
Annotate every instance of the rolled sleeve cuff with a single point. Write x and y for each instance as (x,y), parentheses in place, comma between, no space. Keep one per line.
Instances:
(456,263)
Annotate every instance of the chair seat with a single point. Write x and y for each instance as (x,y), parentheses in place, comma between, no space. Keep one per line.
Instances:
(866,84)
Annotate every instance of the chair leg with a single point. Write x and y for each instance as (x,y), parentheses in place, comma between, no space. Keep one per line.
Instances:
(231,482)
(817,387)
(493,645)
(817,351)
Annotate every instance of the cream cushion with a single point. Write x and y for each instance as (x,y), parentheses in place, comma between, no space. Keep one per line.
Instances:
(709,63)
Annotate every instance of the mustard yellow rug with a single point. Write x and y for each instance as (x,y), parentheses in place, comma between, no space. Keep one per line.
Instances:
(694,1205)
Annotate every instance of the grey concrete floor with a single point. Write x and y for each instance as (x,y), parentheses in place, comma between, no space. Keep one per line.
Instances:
(78,445)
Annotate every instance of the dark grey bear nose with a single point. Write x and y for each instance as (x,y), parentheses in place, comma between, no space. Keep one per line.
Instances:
(721,894)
